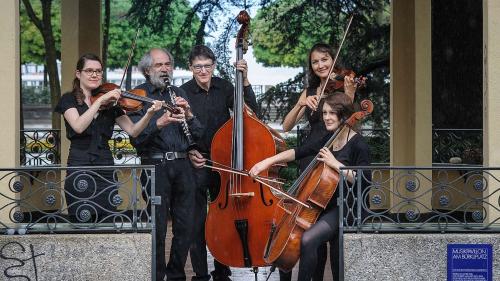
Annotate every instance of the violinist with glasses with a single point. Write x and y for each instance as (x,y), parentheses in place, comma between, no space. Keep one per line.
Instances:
(89,127)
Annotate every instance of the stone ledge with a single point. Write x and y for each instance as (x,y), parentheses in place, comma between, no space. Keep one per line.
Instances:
(412,257)
(61,257)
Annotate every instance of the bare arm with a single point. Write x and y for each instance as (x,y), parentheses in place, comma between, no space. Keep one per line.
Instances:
(283,157)
(79,123)
(295,114)
(134,129)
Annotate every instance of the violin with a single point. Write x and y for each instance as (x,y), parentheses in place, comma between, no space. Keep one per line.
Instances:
(336,81)
(131,100)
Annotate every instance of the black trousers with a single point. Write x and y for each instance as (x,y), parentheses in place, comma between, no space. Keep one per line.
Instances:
(174,184)
(206,181)
(90,194)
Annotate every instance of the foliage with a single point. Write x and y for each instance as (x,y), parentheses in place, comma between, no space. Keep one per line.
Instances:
(122,32)
(214,15)
(291,171)
(285,30)
(35,95)
(44,21)
(32,46)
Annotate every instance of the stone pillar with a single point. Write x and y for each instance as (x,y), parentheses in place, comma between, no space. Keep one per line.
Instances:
(80,33)
(491,100)
(10,81)
(411,91)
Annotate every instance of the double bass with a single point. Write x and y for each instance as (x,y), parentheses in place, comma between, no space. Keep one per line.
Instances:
(241,216)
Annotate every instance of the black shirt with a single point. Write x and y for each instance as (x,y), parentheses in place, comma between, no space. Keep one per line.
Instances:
(169,138)
(354,153)
(212,107)
(98,133)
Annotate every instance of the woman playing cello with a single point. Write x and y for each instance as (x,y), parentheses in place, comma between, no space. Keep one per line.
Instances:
(351,150)
(320,60)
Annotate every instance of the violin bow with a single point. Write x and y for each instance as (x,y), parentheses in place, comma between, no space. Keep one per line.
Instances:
(338,52)
(130,55)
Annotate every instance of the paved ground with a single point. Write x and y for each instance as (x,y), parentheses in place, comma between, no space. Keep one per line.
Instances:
(244,274)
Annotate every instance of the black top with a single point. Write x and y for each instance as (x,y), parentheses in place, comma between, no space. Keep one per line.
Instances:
(170,137)
(212,107)
(354,153)
(100,130)
(317,127)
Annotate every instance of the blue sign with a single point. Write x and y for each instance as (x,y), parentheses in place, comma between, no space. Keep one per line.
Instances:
(467,262)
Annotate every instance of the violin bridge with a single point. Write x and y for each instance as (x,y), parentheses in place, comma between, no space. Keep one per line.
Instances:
(243,194)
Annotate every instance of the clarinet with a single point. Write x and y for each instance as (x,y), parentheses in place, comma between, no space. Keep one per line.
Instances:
(184,124)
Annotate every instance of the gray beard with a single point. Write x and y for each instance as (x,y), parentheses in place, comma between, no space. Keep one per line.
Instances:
(157,80)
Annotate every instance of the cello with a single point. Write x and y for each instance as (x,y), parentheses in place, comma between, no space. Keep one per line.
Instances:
(314,187)
(242,213)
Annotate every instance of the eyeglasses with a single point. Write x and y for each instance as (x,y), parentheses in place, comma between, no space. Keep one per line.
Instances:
(199,67)
(90,71)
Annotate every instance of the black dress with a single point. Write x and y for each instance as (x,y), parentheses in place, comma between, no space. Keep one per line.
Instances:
(90,194)
(317,128)
(354,153)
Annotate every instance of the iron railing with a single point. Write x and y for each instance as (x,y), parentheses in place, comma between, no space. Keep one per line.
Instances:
(102,199)
(458,146)
(77,199)
(430,199)
(418,200)
(42,148)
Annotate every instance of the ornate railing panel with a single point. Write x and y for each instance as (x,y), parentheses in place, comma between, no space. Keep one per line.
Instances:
(457,146)
(123,151)
(464,146)
(87,199)
(40,147)
(388,199)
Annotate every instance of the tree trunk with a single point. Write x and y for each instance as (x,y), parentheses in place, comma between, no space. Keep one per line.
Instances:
(105,39)
(51,61)
(45,76)
(45,28)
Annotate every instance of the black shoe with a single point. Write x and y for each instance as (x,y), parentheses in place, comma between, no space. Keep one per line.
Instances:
(216,276)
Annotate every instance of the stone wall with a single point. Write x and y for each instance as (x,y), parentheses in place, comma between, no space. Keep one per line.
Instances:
(61,257)
(405,257)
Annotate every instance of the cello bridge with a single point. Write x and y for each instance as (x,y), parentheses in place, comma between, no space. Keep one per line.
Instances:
(242,194)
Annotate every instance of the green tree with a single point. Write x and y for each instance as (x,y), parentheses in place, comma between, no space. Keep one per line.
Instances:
(284,31)
(122,32)
(43,15)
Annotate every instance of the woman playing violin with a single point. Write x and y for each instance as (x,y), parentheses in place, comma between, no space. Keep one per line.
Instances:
(320,60)
(351,150)
(89,127)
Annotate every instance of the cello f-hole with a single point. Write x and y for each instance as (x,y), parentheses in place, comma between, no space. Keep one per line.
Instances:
(227,196)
